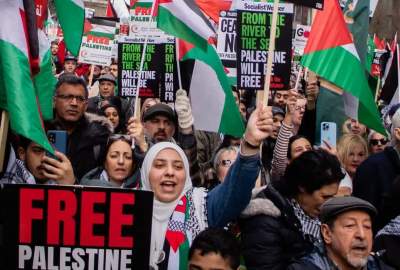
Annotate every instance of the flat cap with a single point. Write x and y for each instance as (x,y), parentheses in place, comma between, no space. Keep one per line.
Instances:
(159,109)
(107,77)
(70,57)
(339,205)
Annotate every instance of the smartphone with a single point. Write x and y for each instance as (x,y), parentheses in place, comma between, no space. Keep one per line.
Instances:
(58,139)
(328,133)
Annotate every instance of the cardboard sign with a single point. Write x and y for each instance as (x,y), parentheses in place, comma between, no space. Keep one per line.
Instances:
(254,22)
(74,227)
(129,58)
(97,42)
(226,43)
(300,38)
(169,73)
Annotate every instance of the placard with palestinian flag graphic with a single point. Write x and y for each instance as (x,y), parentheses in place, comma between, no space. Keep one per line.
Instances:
(97,42)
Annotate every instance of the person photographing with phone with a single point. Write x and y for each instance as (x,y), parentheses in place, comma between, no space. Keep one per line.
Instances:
(33,166)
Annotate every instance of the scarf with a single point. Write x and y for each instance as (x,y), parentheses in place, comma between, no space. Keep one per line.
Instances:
(309,226)
(162,211)
(392,228)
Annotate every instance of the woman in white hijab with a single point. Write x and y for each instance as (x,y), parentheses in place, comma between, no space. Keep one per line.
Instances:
(181,212)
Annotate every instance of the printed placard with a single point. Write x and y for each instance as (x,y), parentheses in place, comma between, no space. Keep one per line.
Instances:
(254,21)
(169,74)
(129,58)
(71,227)
(97,42)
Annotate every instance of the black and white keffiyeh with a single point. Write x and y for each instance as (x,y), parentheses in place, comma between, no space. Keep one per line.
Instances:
(310,226)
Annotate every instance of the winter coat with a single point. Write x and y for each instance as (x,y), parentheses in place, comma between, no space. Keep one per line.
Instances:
(318,260)
(373,182)
(271,233)
(94,178)
(87,143)
(387,243)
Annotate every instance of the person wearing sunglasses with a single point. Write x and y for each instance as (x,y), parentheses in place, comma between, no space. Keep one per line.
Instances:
(223,161)
(118,168)
(376,142)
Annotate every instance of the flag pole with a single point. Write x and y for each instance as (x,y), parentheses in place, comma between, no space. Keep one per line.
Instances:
(178,65)
(271,50)
(377,89)
(3,137)
(296,86)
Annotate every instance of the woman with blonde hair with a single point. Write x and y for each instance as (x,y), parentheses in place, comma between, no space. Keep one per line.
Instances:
(352,150)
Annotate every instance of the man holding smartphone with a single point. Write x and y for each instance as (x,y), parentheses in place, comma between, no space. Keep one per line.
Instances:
(33,166)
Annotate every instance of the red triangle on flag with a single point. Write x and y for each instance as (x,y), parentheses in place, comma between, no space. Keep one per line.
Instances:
(331,18)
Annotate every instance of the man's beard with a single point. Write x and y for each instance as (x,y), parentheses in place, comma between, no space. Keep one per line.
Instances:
(356,262)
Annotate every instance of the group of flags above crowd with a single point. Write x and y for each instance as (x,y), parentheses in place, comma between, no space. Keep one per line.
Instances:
(333,52)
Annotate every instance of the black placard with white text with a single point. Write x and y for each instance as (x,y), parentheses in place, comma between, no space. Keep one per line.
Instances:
(129,58)
(253,28)
(169,73)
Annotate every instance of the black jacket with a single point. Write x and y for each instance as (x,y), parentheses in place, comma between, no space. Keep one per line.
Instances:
(373,182)
(87,143)
(271,233)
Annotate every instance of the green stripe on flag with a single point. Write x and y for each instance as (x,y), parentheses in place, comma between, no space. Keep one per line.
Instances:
(71,17)
(45,83)
(17,95)
(350,76)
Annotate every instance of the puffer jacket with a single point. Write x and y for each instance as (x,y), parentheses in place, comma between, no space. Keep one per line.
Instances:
(271,233)
(318,260)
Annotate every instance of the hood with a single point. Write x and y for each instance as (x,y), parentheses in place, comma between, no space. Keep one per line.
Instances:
(260,205)
(91,118)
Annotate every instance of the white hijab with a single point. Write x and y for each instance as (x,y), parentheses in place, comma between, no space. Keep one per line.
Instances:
(161,211)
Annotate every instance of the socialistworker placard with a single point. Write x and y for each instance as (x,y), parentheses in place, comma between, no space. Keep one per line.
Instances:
(169,74)
(129,57)
(254,22)
(97,42)
(61,227)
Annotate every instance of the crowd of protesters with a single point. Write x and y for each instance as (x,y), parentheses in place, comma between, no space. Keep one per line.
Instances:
(272,199)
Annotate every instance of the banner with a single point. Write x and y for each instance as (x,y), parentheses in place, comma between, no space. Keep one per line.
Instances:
(169,73)
(300,38)
(226,42)
(97,42)
(129,57)
(318,4)
(75,227)
(141,22)
(254,21)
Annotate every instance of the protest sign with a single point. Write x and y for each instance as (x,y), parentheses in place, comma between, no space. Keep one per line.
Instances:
(169,76)
(141,22)
(300,38)
(129,57)
(226,42)
(71,227)
(254,20)
(97,42)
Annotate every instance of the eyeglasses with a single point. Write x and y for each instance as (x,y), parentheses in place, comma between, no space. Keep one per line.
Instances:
(116,137)
(226,162)
(69,98)
(300,108)
(375,142)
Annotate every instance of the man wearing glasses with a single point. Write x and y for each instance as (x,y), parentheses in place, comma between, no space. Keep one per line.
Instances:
(87,133)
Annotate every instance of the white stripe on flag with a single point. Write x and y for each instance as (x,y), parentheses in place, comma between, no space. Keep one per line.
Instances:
(207,98)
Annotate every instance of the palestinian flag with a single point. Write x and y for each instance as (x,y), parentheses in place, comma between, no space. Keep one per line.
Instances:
(117,9)
(213,105)
(184,19)
(330,53)
(97,29)
(213,7)
(71,15)
(17,91)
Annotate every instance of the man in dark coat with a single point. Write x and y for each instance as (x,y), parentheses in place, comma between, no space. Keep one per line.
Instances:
(374,178)
(346,231)
(87,133)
